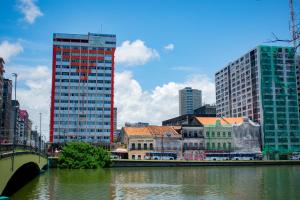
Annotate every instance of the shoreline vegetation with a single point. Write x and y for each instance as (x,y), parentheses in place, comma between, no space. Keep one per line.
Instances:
(81,155)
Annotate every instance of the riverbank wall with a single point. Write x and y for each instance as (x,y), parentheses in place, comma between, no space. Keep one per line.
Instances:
(53,162)
(179,163)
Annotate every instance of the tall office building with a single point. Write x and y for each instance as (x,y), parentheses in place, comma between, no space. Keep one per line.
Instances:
(82,98)
(261,85)
(15,120)
(24,126)
(6,108)
(189,100)
(115,118)
(1,89)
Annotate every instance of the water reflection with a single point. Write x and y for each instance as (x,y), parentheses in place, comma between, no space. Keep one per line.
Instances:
(218,183)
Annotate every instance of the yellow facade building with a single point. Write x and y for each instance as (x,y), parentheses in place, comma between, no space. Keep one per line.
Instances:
(140,140)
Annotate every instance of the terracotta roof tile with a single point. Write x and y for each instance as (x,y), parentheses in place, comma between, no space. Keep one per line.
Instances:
(224,121)
(150,130)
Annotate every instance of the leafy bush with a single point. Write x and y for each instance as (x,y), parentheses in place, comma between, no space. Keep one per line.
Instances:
(81,155)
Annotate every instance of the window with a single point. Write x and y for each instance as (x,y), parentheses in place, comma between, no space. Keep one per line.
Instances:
(219,145)
(133,157)
(207,134)
(218,134)
(224,134)
(224,146)
(151,146)
(139,157)
(213,134)
(229,134)
(229,145)
(133,146)
(213,146)
(145,145)
(207,146)
(139,146)
(185,146)
(195,134)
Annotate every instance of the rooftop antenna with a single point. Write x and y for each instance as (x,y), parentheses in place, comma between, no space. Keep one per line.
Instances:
(292,23)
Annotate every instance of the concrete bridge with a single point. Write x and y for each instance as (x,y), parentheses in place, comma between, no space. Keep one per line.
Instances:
(17,168)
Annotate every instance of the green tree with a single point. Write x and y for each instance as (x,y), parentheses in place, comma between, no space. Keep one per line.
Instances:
(81,155)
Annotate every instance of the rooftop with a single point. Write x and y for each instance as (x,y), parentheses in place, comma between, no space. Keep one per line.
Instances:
(224,121)
(150,130)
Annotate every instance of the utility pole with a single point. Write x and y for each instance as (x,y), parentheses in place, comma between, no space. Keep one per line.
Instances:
(15,124)
(40,138)
(162,146)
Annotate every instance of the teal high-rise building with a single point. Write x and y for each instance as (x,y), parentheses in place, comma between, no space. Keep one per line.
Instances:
(262,85)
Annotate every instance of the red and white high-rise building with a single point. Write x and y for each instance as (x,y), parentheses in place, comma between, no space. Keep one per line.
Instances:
(82,97)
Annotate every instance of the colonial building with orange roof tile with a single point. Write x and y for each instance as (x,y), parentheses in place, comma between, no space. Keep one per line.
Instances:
(142,140)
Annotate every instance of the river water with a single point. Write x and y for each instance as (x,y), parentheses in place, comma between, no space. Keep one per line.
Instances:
(207,183)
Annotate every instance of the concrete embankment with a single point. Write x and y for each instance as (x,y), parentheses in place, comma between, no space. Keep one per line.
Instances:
(53,161)
(179,163)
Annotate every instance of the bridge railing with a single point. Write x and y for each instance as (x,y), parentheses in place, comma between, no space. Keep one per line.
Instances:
(10,154)
(9,148)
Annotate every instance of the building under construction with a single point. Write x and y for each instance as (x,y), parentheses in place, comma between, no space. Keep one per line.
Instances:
(261,85)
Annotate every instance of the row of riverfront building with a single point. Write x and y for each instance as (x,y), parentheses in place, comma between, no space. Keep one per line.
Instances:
(194,140)
(262,85)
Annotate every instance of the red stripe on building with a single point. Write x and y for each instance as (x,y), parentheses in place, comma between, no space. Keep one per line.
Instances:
(88,71)
(83,57)
(83,64)
(84,51)
(112,97)
(83,78)
(52,94)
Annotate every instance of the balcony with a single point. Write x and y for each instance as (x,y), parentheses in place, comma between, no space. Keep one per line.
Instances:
(141,149)
(193,148)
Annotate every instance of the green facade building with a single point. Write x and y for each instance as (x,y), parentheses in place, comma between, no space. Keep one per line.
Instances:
(279,101)
(262,86)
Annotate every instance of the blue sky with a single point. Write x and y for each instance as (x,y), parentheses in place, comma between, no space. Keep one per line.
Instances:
(205,34)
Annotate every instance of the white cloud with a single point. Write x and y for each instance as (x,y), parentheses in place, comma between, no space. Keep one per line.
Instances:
(8,50)
(135,53)
(184,68)
(169,47)
(33,93)
(134,104)
(30,10)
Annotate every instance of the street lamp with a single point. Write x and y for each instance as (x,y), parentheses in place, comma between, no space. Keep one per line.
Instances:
(40,138)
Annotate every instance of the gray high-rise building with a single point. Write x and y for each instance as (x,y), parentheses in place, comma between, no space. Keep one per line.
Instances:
(14,116)
(261,85)
(189,100)
(1,91)
(115,118)
(6,109)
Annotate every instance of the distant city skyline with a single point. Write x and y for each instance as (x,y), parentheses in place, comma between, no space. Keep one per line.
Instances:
(181,45)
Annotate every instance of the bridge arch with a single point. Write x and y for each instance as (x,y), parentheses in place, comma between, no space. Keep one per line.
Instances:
(26,166)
